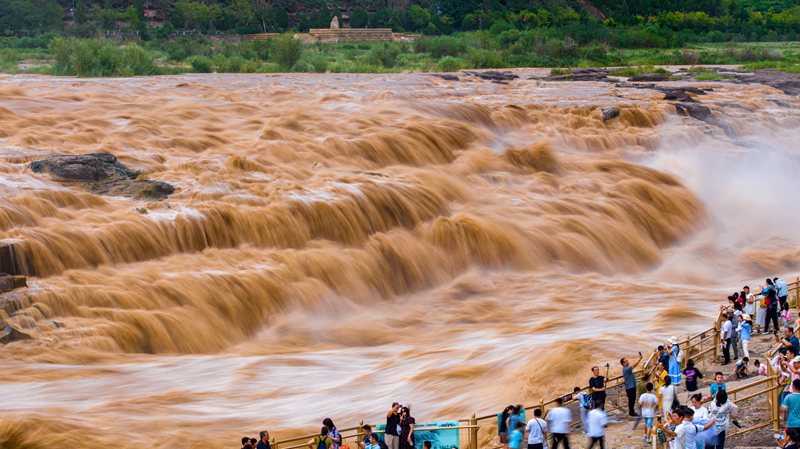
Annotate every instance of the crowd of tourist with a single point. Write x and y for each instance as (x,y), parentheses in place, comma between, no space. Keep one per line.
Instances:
(694,421)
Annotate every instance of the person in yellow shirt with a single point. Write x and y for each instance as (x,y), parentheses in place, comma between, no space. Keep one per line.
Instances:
(659,379)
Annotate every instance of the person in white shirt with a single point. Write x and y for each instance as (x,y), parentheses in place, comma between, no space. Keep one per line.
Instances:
(558,420)
(700,412)
(537,430)
(686,431)
(668,394)
(648,402)
(597,420)
(583,401)
(725,338)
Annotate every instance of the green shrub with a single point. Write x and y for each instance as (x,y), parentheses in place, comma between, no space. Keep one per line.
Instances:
(560,72)
(96,57)
(450,64)
(383,55)
(286,51)
(709,77)
(441,46)
(485,59)
(201,64)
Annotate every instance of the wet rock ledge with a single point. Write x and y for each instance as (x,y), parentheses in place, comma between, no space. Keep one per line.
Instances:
(102,174)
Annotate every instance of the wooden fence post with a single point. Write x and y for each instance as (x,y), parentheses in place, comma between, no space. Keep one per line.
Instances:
(716,342)
(473,432)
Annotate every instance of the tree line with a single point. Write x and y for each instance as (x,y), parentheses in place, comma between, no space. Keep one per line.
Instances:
(646,23)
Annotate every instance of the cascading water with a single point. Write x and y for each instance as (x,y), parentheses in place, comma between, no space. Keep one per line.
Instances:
(337,242)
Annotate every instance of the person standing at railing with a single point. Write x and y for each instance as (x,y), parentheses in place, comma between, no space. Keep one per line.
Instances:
(725,338)
(537,430)
(263,442)
(333,432)
(321,441)
(391,435)
(660,376)
(584,401)
(407,423)
(744,329)
(502,424)
(749,303)
(630,382)
(675,356)
(559,420)
(783,292)
(597,384)
(515,417)
(771,301)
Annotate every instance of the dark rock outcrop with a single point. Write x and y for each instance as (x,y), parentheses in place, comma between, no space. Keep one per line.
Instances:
(445,76)
(693,110)
(584,75)
(11,261)
(493,75)
(681,93)
(650,77)
(103,174)
(789,83)
(610,113)
(10,282)
(9,332)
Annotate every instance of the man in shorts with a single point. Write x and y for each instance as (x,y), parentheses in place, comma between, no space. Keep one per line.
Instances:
(648,403)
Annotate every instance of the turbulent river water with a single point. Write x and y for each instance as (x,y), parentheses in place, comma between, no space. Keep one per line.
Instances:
(338,242)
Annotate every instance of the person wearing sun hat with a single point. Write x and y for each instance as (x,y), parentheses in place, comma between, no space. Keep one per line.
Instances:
(674,367)
(744,329)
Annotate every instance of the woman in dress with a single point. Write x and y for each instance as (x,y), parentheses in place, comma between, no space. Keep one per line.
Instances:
(668,394)
(674,361)
(761,313)
(407,423)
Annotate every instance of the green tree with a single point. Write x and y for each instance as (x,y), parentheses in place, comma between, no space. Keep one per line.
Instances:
(286,51)
(281,19)
(359,18)
(417,18)
(81,12)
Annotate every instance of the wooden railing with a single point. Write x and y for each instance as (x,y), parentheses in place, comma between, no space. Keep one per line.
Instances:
(698,347)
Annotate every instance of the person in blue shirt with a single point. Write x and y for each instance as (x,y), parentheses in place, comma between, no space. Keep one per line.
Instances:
(783,292)
(789,339)
(791,406)
(716,386)
(263,442)
(770,294)
(515,438)
(674,364)
(745,328)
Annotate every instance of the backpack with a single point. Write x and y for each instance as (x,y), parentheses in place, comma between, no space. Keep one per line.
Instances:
(322,442)
(587,401)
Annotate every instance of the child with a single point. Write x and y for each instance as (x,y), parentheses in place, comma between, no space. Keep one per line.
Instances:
(515,439)
(760,369)
(692,375)
(741,368)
